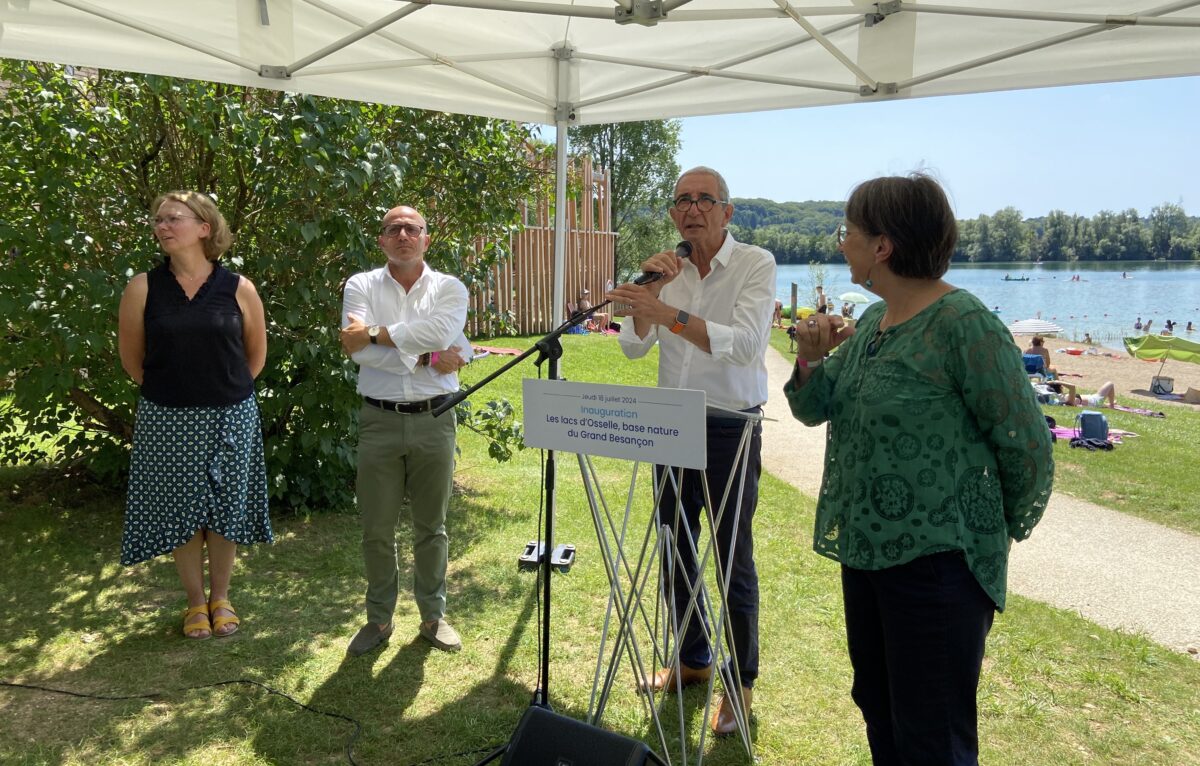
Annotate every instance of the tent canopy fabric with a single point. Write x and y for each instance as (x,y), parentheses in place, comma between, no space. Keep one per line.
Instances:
(598,61)
(574,62)
(1163,347)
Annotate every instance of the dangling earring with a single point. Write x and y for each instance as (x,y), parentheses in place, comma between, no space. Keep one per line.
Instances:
(868,283)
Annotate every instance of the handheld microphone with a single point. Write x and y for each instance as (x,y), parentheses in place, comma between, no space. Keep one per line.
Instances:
(682,250)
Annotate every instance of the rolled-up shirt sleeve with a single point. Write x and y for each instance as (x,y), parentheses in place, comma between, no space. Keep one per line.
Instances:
(356,301)
(439,329)
(437,326)
(631,345)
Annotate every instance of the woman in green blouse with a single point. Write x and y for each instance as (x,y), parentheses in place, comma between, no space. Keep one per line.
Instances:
(937,457)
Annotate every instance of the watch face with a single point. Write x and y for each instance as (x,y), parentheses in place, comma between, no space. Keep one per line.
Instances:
(373,331)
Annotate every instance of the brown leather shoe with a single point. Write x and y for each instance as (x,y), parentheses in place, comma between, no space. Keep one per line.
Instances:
(724,722)
(665,678)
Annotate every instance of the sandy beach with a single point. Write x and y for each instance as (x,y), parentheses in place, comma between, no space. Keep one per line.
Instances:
(1131,376)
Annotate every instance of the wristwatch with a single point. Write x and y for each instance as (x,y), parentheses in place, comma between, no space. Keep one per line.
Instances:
(681,320)
(373,333)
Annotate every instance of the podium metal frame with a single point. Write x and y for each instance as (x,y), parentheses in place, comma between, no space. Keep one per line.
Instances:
(647,635)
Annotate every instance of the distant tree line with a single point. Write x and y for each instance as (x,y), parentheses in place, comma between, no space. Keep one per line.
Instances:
(802,232)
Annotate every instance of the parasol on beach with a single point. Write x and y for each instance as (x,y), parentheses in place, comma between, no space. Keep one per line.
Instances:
(1163,347)
(1034,327)
(853,297)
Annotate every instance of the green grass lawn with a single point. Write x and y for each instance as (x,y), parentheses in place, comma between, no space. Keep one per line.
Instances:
(1151,476)
(1056,688)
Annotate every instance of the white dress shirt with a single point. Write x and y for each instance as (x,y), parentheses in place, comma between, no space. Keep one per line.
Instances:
(737,301)
(430,317)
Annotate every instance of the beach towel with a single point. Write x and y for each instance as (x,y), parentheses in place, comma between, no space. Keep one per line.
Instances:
(1115,435)
(1139,411)
(496,350)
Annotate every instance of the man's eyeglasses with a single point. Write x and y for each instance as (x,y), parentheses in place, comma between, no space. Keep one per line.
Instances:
(170,220)
(704,203)
(408,229)
(841,233)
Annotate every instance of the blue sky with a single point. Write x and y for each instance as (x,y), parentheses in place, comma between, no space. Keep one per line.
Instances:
(1081,149)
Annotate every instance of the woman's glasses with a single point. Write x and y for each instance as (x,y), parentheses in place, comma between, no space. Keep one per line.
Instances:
(841,233)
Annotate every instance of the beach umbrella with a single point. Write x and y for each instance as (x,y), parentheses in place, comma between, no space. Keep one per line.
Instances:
(853,297)
(1034,327)
(1163,347)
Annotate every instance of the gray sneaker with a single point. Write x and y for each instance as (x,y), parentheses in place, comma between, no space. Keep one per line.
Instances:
(368,637)
(440,634)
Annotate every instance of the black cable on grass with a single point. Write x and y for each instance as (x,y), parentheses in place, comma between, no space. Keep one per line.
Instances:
(158,695)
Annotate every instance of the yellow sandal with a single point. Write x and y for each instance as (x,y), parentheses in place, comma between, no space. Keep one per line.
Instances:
(219,622)
(191,626)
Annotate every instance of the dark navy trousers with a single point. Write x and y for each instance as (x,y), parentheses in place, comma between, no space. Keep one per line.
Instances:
(723,437)
(916,634)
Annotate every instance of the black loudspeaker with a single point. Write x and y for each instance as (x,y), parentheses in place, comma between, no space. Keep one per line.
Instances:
(545,738)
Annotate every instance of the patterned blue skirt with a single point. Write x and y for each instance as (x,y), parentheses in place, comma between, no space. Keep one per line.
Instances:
(194,468)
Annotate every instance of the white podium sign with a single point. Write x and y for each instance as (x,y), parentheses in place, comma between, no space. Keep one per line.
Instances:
(652,425)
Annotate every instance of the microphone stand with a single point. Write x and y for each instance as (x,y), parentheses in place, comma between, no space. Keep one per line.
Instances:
(548,348)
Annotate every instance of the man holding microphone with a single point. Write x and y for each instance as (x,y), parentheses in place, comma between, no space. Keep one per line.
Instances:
(711,316)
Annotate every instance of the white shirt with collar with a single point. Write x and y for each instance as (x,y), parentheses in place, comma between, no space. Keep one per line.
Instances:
(429,317)
(736,300)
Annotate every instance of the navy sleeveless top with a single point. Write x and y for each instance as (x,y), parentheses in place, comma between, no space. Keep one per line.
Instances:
(194,351)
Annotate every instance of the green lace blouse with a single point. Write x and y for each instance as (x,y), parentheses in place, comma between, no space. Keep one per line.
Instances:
(935,442)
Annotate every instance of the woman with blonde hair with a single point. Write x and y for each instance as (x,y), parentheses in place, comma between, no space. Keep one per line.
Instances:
(193,336)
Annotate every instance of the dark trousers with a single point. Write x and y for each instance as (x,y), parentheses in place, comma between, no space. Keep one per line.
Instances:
(916,634)
(723,438)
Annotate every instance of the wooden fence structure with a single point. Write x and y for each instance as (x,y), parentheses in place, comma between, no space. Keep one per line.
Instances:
(523,289)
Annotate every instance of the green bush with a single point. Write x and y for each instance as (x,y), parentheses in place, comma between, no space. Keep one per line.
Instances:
(303,182)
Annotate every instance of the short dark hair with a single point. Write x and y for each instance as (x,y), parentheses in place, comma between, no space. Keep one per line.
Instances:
(914,213)
(1038,340)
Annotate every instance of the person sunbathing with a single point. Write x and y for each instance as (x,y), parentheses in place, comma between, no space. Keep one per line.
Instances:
(1105,396)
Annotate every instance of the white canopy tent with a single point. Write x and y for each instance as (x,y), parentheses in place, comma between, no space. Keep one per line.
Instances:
(568,62)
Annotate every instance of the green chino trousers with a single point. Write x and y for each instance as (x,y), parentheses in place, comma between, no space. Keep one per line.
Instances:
(403,456)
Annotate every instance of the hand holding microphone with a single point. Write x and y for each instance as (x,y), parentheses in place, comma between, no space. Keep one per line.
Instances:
(640,297)
(656,268)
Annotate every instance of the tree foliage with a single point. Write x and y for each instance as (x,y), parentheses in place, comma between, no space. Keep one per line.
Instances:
(303,182)
(800,232)
(795,232)
(640,157)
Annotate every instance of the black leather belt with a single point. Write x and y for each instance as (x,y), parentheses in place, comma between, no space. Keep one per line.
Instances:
(409,408)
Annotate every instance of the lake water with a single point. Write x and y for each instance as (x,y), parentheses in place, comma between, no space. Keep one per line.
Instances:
(1101,302)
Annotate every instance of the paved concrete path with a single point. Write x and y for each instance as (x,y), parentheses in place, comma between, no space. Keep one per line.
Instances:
(1116,570)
